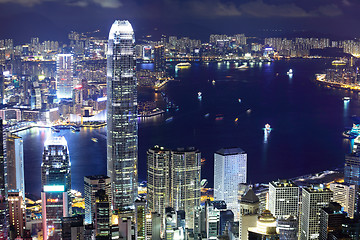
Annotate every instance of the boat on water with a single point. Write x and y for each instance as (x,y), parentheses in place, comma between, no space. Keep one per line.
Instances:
(236,119)
(243,67)
(94,140)
(169,119)
(346,99)
(248,111)
(207,115)
(199,95)
(267,127)
(213,82)
(290,72)
(239,100)
(219,117)
(183,65)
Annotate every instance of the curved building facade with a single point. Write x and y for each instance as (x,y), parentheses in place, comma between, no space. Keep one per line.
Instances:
(122,125)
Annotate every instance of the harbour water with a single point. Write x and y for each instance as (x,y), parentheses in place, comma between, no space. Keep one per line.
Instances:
(307,121)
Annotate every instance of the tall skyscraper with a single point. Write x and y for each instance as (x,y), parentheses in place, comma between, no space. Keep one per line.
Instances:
(4,224)
(283,198)
(159,58)
(15,164)
(16,211)
(91,185)
(56,166)
(64,75)
(344,194)
(158,179)
(313,199)
(54,203)
(102,214)
(230,169)
(122,123)
(185,175)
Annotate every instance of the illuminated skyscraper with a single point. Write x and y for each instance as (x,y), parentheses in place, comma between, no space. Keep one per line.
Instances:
(352,175)
(91,185)
(313,199)
(3,188)
(158,179)
(122,123)
(16,211)
(283,198)
(54,203)
(344,194)
(230,167)
(185,177)
(64,75)
(15,164)
(56,166)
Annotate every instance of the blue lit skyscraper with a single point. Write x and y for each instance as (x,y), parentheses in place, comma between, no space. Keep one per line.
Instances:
(15,164)
(230,167)
(122,125)
(64,75)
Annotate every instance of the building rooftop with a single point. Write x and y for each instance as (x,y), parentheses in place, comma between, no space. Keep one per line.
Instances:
(317,189)
(283,183)
(97,177)
(249,197)
(230,151)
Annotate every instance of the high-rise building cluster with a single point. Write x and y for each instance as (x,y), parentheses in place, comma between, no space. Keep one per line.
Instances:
(35,76)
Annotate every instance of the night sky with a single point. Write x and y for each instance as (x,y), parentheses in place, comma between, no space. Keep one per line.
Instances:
(53,19)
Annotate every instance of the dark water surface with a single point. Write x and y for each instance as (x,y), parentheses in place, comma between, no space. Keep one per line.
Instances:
(307,122)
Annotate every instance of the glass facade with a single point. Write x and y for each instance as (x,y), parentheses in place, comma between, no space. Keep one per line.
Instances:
(122,123)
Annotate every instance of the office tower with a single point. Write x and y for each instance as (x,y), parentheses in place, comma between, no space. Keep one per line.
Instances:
(283,198)
(229,171)
(158,179)
(122,123)
(331,220)
(313,199)
(249,210)
(56,165)
(265,227)
(185,177)
(288,228)
(102,214)
(140,218)
(72,228)
(4,224)
(54,203)
(91,185)
(15,163)
(16,212)
(352,174)
(159,58)
(64,75)
(344,194)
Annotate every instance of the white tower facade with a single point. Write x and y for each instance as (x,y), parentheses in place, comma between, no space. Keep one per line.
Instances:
(230,169)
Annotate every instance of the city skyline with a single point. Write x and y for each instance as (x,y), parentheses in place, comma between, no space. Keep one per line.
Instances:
(194,97)
(253,17)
